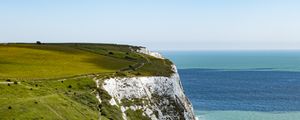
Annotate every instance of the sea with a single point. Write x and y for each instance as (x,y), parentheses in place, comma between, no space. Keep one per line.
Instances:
(241,85)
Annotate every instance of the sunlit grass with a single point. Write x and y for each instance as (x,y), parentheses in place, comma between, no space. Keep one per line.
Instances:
(51,99)
(48,61)
(37,81)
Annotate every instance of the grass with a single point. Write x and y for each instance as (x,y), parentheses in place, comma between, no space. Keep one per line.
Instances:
(50,99)
(136,115)
(156,67)
(32,61)
(55,81)
(48,61)
(107,110)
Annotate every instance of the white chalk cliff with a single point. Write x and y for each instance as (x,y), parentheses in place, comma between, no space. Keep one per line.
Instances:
(160,98)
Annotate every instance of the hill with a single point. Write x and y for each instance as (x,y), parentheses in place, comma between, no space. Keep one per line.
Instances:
(57,81)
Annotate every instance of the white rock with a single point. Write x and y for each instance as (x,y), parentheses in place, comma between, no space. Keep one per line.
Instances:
(112,101)
(143,88)
(151,53)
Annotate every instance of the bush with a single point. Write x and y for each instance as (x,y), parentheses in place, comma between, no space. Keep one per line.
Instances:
(15,82)
(8,80)
(38,42)
(111,53)
(70,86)
(138,73)
(9,107)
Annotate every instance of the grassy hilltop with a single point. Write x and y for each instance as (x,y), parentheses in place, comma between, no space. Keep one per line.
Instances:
(55,81)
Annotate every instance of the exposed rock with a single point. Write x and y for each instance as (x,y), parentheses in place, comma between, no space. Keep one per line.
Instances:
(160,98)
(151,53)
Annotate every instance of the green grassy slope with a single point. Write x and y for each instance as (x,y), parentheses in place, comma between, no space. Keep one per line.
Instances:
(48,61)
(55,81)
(52,99)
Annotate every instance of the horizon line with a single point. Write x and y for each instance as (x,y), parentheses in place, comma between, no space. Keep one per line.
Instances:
(252,49)
(169,50)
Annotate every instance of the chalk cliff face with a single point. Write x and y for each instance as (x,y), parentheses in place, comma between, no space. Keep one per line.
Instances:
(148,52)
(157,97)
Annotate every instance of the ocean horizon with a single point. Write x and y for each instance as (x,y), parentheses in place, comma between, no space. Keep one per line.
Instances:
(235,85)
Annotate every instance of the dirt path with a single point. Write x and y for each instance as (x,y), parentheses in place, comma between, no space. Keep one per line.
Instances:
(6,82)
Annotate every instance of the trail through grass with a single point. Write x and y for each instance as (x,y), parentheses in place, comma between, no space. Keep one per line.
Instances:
(55,81)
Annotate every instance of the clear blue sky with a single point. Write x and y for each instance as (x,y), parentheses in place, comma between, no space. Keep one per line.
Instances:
(157,24)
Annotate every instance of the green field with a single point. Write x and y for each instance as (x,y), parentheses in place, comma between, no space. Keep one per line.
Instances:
(52,99)
(55,81)
(48,61)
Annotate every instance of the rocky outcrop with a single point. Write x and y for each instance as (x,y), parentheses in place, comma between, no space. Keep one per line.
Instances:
(157,97)
(148,52)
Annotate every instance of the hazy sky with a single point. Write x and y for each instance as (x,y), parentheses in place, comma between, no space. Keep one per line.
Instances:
(157,24)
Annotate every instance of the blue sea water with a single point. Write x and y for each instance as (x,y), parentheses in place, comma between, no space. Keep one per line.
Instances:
(257,60)
(245,85)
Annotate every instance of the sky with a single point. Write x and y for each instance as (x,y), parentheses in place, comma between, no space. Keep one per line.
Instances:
(156,24)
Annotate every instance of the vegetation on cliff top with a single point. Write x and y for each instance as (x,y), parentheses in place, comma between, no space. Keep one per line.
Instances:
(44,61)
(55,81)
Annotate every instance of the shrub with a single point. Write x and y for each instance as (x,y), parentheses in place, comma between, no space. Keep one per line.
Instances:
(138,73)
(111,53)
(38,42)
(70,86)
(8,80)
(9,107)
(15,82)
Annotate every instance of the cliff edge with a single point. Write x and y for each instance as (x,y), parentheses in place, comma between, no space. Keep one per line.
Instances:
(89,81)
(151,97)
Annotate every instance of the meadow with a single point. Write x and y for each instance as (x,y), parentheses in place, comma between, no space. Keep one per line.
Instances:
(56,81)
(49,61)
(51,99)
(32,61)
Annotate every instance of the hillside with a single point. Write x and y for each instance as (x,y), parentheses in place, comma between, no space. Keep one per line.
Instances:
(31,61)
(61,81)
